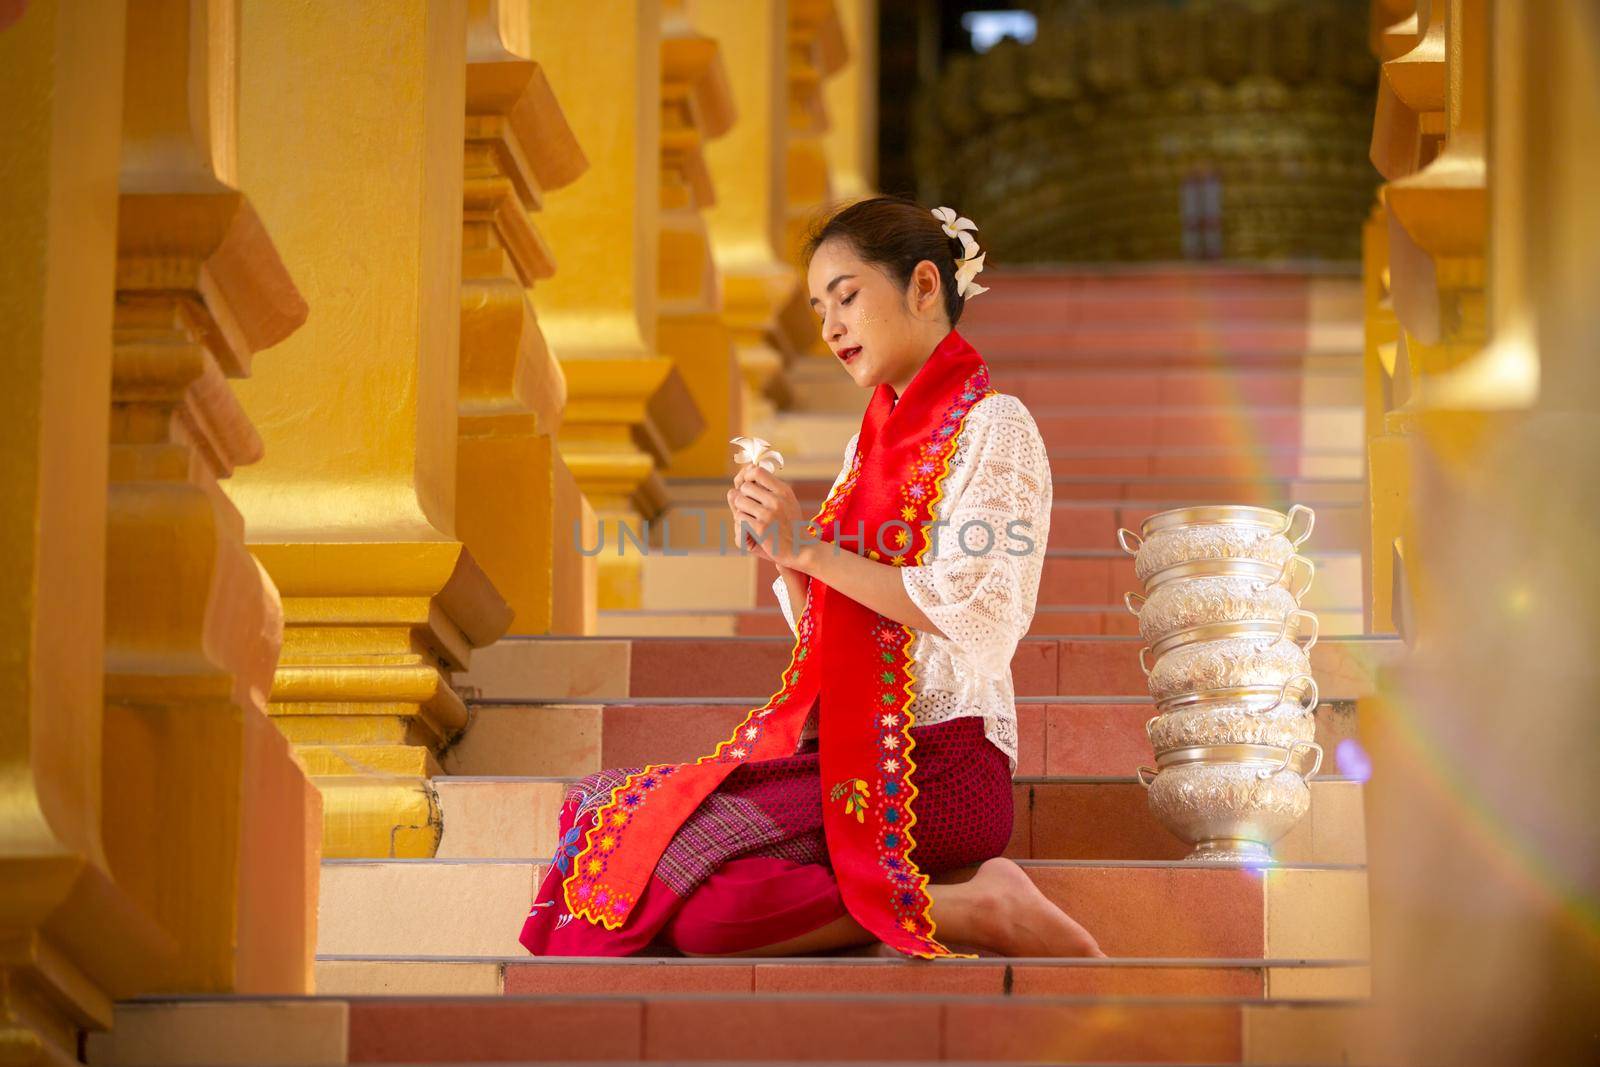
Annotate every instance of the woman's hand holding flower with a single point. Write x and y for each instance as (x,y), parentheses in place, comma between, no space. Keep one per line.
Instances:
(765,502)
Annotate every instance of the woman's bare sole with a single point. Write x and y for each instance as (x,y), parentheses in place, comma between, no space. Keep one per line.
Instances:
(997,908)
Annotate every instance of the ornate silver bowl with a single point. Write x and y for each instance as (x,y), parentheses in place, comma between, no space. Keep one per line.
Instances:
(1255,659)
(1235,722)
(1209,599)
(1301,687)
(1234,532)
(1232,802)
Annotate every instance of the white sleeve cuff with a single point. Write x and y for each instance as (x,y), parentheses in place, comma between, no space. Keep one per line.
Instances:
(780,588)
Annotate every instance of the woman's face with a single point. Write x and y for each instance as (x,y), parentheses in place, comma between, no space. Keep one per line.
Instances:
(878,331)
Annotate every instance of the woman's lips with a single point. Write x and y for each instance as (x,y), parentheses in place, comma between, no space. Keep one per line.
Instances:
(847,354)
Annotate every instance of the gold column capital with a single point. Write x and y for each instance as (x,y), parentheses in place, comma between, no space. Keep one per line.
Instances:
(213,244)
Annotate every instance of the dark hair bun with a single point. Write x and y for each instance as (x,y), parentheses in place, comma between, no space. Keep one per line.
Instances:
(895,233)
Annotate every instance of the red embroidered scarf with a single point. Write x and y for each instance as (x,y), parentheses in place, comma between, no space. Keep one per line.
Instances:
(855,661)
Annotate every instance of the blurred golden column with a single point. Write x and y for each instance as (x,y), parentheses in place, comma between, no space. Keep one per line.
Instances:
(351,125)
(1485,771)
(517,503)
(817,51)
(747,222)
(696,107)
(628,409)
(851,100)
(1387,488)
(73,939)
(210,821)
(1428,143)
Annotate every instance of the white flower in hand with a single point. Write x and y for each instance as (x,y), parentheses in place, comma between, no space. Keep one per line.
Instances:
(755,450)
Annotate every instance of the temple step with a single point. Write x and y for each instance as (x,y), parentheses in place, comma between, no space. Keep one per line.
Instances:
(987,976)
(824,436)
(1101,575)
(1049,620)
(821,387)
(1055,819)
(1257,462)
(555,669)
(723,1026)
(475,909)
(1089,737)
(1088,569)
(1085,515)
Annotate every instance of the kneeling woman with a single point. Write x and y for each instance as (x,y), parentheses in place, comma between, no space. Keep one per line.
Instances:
(870,798)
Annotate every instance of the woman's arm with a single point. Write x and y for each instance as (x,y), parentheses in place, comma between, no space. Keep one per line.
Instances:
(872,584)
(798,583)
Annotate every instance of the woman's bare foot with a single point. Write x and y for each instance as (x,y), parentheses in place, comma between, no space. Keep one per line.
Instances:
(1021,920)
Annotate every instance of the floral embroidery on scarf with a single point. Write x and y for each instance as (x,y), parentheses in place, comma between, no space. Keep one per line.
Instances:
(854,792)
(896,688)
(587,884)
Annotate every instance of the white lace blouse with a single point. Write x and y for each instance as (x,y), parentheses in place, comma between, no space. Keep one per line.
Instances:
(983,600)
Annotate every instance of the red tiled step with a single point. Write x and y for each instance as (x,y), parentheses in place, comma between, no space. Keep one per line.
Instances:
(1276,347)
(598,669)
(1134,282)
(1049,620)
(1081,737)
(740,1026)
(1092,525)
(1071,619)
(1135,909)
(1174,490)
(982,977)
(1000,341)
(692,1028)
(1070,309)
(1103,818)
(1068,666)
(751,667)
(1185,427)
(1046,387)
(1225,462)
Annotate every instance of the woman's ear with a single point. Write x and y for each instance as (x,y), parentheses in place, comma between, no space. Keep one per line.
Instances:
(925,286)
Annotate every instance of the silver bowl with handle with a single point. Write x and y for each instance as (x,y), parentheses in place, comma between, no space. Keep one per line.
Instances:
(1211,599)
(1232,802)
(1236,722)
(1268,656)
(1217,532)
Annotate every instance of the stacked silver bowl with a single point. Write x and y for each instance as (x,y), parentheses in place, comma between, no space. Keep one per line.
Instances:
(1227,657)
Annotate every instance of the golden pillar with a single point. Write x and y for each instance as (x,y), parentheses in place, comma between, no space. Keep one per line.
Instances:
(696,107)
(210,822)
(351,126)
(748,166)
(628,408)
(1483,742)
(816,52)
(851,100)
(1428,143)
(518,505)
(73,940)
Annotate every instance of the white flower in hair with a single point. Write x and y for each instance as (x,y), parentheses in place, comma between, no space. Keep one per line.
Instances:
(954,225)
(965,272)
(971,260)
(761,453)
